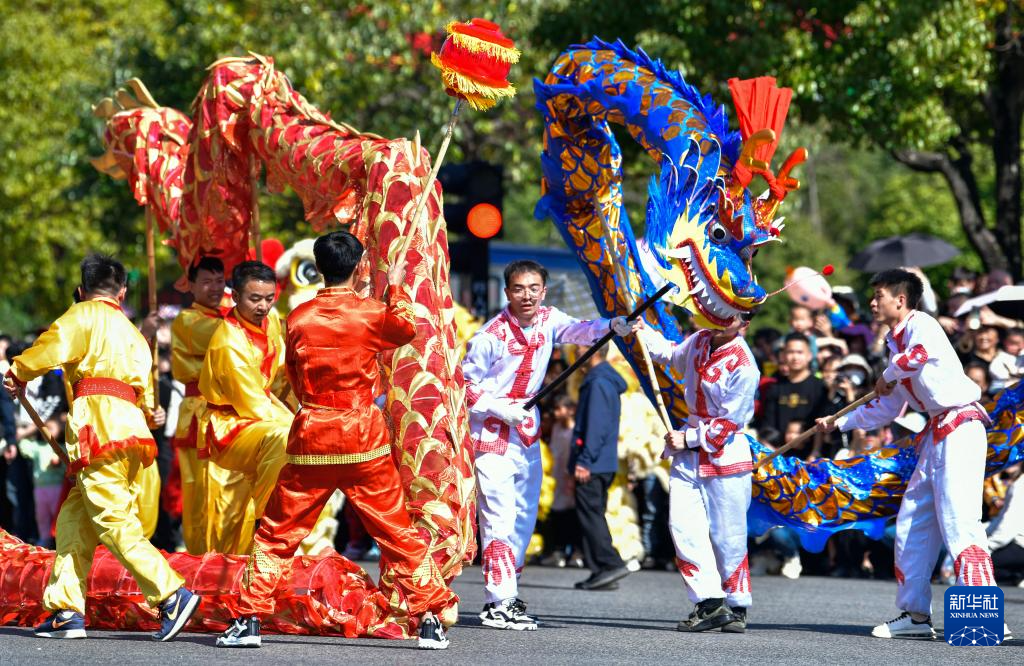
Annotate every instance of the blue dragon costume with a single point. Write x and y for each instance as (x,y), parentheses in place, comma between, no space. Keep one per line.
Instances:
(703,226)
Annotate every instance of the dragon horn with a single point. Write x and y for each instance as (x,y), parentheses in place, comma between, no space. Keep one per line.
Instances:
(105,108)
(750,146)
(142,93)
(797,157)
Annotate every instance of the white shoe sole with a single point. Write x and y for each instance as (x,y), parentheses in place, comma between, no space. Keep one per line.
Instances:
(184,615)
(501,624)
(70,633)
(247,642)
(908,636)
(431,644)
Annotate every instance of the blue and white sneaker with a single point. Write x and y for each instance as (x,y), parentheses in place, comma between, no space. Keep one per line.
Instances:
(62,624)
(432,636)
(176,612)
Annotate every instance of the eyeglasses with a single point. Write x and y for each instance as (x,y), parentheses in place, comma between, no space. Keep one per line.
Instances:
(520,290)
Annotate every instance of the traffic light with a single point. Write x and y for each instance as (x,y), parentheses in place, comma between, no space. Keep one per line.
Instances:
(473,194)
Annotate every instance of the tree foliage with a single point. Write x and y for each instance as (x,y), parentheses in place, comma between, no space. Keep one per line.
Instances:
(870,76)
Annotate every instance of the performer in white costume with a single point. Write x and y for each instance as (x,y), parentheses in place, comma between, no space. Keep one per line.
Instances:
(709,481)
(504,366)
(942,503)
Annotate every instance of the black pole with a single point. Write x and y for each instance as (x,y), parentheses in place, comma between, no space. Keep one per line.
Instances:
(560,379)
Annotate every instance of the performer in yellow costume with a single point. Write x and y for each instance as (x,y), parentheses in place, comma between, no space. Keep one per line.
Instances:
(244,426)
(217,513)
(106,364)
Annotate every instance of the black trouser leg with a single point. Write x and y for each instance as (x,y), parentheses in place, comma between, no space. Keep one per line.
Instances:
(591,503)
(1008,563)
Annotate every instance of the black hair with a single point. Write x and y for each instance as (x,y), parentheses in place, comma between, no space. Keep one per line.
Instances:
(249,271)
(525,266)
(1009,332)
(898,281)
(209,264)
(962,274)
(796,337)
(768,334)
(102,274)
(337,254)
(563,400)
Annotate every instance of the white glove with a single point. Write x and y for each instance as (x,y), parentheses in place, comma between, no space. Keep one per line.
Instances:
(621,327)
(509,412)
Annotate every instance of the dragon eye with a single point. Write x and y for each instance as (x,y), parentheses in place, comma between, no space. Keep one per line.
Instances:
(306,273)
(718,233)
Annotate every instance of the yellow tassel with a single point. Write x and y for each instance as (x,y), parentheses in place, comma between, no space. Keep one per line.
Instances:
(477,45)
(479,96)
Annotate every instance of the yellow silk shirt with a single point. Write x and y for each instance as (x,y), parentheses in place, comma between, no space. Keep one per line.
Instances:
(94,339)
(238,375)
(191,333)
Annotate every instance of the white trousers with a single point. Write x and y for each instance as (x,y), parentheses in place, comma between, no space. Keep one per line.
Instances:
(708,517)
(942,505)
(508,491)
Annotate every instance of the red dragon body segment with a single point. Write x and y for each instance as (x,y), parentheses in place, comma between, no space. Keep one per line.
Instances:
(196,178)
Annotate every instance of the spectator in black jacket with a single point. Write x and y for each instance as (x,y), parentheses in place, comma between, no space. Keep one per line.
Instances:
(593,461)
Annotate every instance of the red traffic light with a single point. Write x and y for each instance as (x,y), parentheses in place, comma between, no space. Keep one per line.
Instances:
(483,220)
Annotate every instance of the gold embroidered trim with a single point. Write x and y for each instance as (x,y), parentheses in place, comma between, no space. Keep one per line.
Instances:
(265,564)
(339,458)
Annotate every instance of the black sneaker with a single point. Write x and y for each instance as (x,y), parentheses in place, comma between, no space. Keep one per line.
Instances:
(603,578)
(739,625)
(241,633)
(708,614)
(432,636)
(176,612)
(62,624)
(508,614)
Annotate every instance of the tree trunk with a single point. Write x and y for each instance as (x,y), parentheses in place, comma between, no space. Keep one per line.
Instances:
(959,176)
(1005,104)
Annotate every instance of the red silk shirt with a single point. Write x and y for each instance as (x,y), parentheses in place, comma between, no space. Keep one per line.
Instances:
(331,359)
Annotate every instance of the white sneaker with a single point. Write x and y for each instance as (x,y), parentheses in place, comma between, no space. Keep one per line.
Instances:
(791,568)
(432,636)
(1007,634)
(508,614)
(904,626)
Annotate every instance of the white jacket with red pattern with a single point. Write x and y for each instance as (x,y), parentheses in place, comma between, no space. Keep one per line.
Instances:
(929,378)
(719,391)
(506,363)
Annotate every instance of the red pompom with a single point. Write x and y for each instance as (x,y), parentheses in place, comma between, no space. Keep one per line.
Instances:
(828,270)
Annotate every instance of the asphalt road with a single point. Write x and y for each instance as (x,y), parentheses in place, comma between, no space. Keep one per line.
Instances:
(808,621)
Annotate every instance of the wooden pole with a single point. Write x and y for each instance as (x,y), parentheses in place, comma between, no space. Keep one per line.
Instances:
(41,427)
(151,260)
(428,186)
(806,434)
(254,205)
(653,378)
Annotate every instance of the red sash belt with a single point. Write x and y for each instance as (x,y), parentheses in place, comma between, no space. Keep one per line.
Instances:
(338,400)
(941,425)
(115,388)
(192,390)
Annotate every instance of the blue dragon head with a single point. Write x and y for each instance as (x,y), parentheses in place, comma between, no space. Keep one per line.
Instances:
(704,226)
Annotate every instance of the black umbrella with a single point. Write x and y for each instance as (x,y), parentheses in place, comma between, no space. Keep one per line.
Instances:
(916,249)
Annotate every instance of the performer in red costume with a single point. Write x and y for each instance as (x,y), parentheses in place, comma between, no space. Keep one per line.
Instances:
(339,440)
